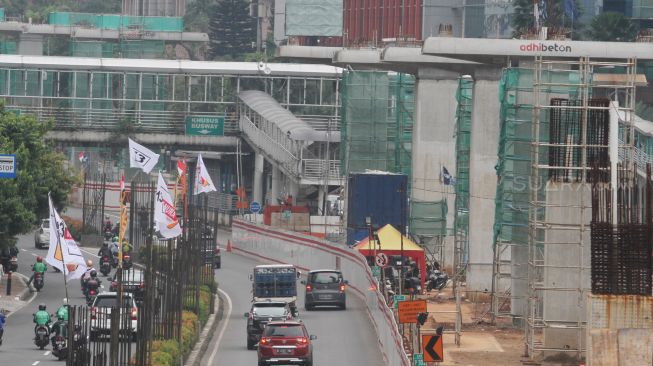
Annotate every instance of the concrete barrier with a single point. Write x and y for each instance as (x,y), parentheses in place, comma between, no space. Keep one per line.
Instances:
(306,252)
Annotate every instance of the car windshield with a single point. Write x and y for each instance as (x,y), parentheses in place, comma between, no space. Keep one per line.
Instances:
(325,277)
(270,311)
(283,331)
(110,301)
(45,224)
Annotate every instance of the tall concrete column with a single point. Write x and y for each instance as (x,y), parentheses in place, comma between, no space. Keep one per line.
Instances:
(483,177)
(320,200)
(257,189)
(277,177)
(30,44)
(434,144)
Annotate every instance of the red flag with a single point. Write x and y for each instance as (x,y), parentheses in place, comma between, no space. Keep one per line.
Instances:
(181,167)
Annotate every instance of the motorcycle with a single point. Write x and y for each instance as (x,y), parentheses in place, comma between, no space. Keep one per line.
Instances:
(13,264)
(91,292)
(41,339)
(38,281)
(60,348)
(436,280)
(114,261)
(126,261)
(105,265)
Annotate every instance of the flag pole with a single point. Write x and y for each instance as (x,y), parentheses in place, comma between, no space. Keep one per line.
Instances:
(63,261)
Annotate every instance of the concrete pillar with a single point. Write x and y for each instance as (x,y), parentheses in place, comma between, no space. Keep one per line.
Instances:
(257,189)
(484,146)
(434,144)
(30,44)
(320,200)
(292,189)
(277,177)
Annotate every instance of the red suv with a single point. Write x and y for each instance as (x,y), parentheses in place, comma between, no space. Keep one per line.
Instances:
(285,343)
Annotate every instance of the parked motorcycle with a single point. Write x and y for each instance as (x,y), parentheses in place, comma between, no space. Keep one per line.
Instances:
(38,281)
(105,265)
(41,339)
(436,280)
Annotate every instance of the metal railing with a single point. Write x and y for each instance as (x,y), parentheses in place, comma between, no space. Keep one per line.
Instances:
(273,141)
(114,120)
(316,169)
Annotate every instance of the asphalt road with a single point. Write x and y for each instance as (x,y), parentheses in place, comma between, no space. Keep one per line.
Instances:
(18,347)
(345,338)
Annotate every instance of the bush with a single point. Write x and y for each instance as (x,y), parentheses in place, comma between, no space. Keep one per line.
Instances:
(160,358)
(169,346)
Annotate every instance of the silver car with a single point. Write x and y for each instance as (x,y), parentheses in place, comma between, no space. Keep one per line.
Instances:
(42,235)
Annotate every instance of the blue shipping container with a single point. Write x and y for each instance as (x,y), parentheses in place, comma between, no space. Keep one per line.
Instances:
(379,196)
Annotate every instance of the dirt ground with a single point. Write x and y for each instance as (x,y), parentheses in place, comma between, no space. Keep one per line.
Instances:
(481,344)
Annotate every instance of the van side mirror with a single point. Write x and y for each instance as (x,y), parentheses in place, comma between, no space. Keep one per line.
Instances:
(299,274)
(313,337)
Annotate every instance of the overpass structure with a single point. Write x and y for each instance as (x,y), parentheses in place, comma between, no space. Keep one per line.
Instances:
(487,90)
(94,100)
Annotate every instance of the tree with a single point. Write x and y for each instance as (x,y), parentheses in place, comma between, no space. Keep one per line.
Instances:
(24,200)
(557,15)
(231,29)
(612,27)
(197,15)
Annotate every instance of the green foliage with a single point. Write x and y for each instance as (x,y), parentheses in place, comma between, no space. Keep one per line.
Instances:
(231,30)
(523,20)
(612,27)
(197,15)
(24,200)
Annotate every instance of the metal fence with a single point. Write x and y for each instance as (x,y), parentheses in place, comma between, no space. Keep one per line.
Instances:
(93,202)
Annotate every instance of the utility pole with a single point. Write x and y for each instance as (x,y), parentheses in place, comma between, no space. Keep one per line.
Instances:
(402,231)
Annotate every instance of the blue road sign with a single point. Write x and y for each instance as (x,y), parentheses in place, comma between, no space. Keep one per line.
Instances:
(7,166)
(255,207)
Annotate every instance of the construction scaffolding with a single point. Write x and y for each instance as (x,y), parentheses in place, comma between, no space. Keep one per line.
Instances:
(570,135)
(464,98)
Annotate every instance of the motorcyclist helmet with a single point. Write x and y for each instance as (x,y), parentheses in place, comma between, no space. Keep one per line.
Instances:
(115,239)
(93,273)
(105,244)
(39,259)
(42,307)
(89,263)
(65,301)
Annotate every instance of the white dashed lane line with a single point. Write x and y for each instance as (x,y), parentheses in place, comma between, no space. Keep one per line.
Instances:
(34,254)
(35,363)
(47,353)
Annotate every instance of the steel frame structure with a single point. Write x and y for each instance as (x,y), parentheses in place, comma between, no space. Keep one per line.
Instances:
(548,237)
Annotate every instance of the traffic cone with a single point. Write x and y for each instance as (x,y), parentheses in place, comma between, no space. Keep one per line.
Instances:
(228,246)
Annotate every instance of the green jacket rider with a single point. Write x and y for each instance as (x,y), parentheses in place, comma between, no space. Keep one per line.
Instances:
(62,312)
(40,267)
(42,317)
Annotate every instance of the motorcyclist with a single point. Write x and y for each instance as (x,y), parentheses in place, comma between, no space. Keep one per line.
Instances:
(41,317)
(2,324)
(105,251)
(114,247)
(92,283)
(116,229)
(63,310)
(87,274)
(38,267)
(107,224)
(59,328)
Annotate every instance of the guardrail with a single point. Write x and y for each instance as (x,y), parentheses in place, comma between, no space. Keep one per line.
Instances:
(307,252)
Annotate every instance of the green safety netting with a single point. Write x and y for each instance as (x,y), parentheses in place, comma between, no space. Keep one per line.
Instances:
(428,219)
(91,49)
(514,153)
(463,119)
(116,21)
(377,121)
(7,47)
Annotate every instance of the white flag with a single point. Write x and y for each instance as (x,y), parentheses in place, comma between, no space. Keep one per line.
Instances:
(165,214)
(142,157)
(203,182)
(64,254)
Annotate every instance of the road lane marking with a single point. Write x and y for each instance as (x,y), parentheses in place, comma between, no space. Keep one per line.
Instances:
(36,363)
(34,254)
(47,353)
(87,252)
(23,249)
(224,327)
